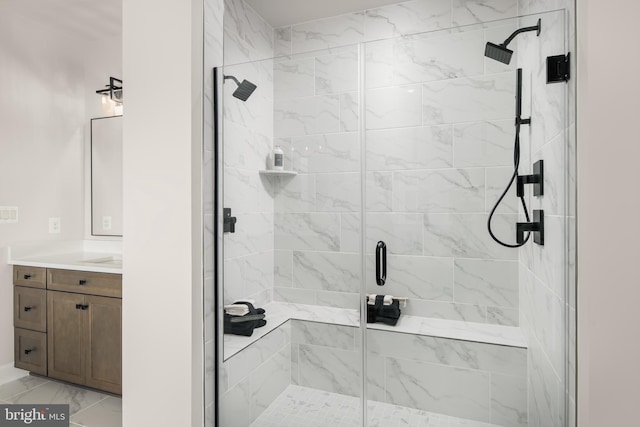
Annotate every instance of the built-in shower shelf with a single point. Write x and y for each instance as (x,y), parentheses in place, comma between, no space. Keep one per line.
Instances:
(278,173)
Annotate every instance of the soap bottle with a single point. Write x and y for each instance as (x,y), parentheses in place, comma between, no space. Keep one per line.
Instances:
(278,159)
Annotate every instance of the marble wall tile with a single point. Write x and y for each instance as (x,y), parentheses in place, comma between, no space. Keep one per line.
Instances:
(338,299)
(295,194)
(327,271)
(269,380)
(496,182)
(323,334)
(282,41)
(469,99)
(330,369)
(438,388)
(308,231)
(401,232)
(306,116)
(410,148)
(503,316)
(254,233)
(509,400)
(350,232)
(378,63)
(379,191)
(349,112)
(294,79)
(446,310)
(486,282)
(234,405)
(245,148)
(445,56)
(406,18)
(548,260)
(393,107)
(339,152)
(497,33)
(338,192)
(484,144)
(416,277)
(295,369)
(294,295)
(282,269)
(545,390)
(246,192)
(466,236)
(337,73)
(331,32)
(442,190)
(466,12)
(554,155)
(375,377)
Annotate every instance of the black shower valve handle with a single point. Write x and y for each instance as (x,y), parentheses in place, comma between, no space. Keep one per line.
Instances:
(537,179)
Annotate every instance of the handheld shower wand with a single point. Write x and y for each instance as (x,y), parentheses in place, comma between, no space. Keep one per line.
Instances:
(500,52)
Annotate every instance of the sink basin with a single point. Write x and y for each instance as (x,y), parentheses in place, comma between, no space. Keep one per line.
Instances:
(108,260)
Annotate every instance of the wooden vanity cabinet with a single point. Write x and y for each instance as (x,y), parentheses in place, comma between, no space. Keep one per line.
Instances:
(81,336)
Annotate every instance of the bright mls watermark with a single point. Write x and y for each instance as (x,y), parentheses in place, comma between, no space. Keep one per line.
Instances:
(34,415)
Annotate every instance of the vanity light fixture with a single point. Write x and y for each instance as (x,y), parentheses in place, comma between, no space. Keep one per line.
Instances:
(112,91)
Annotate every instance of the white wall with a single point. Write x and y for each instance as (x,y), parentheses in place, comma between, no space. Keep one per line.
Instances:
(608,206)
(42,120)
(162,303)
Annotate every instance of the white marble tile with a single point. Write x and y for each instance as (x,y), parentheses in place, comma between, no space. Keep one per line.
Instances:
(415,277)
(235,406)
(375,377)
(406,18)
(330,271)
(496,182)
(294,79)
(245,148)
(337,73)
(484,144)
(258,35)
(295,194)
(330,369)
(392,107)
(378,63)
(554,154)
(445,56)
(209,308)
(306,116)
(503,316)
(246,191)
(349,112)
(545,389)
(445,310)
(486,282)
(58,393)
(548,260)
(438,388)
(310,231)
(294,295)
(442,190)
(282,268)
(269,380)
(331,32)
(282,41)
(338,299)
(350,232)
(466,12)
(106,413)
(497,34)
(469,99)
(401,232)
(410,148)
(338,152)
(323,334)
(379,191)
(509,400)
(254,233)
(338,192)
(20,385)
(247,276)
(466,236)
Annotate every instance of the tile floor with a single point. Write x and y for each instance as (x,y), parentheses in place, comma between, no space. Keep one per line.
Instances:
(87,408)
(300,406)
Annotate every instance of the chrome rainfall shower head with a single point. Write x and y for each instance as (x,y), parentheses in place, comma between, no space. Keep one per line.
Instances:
(244,90)
(500,52)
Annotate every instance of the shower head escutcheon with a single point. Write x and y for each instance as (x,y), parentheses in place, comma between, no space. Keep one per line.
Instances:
(244,90)
(500,52)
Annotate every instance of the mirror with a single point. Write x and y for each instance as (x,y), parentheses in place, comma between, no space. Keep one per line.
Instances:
(106,176)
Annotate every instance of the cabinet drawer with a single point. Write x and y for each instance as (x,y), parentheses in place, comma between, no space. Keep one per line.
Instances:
(31,351)
(33,277)
(30,308)
(82,282)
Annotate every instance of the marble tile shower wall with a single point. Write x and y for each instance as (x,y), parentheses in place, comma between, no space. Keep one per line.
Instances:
(439,136)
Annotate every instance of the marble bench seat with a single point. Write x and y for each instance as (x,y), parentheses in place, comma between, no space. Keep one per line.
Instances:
(278,313)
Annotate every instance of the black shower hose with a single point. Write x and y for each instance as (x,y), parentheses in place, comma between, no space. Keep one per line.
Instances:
(516,165)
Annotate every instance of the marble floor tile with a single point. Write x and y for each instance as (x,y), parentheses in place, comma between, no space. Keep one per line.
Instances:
(105,413)
(20,385)
(59,393)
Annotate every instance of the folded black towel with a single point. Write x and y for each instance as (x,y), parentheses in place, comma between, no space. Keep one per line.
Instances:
(244,325)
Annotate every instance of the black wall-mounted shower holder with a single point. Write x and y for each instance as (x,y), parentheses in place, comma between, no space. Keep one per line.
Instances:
(558,68)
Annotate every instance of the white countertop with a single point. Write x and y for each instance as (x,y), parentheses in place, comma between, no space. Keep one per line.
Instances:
(94,256)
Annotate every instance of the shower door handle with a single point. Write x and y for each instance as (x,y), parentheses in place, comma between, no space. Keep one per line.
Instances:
(381,263)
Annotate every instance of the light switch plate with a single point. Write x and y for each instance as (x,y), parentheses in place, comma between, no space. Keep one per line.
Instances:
(106,223)
(8,214)
(55,225)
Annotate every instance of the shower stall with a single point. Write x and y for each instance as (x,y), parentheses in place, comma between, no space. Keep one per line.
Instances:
(399,136)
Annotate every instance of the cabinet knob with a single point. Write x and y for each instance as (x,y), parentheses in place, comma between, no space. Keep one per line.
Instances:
(82,282)
(81,307)
(27,276)
(28,308)
(29,350)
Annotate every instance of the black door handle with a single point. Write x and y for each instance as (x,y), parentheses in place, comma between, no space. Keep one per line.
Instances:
(381,263)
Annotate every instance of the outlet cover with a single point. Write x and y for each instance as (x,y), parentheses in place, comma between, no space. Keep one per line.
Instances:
(8,214)
(55,225)
(106,223)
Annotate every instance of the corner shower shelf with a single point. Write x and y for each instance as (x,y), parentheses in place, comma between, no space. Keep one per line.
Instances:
(278,173)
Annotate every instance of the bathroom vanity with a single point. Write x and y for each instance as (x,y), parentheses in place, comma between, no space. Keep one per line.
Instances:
(68,322)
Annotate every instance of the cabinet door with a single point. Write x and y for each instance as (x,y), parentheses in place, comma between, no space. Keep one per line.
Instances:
(65,317)
(103,343)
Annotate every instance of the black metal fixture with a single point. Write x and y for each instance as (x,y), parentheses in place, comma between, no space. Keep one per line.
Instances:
(537,179)
(558,68)
(381,263)
(113,90)
(244,90)
(229,222)
(536,227)
(28,350)
(500,52)
(27,308)
(81,307)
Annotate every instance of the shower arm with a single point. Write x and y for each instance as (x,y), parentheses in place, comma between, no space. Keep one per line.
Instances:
(521,30)
(232,78)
